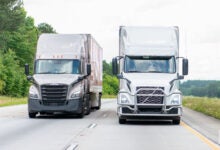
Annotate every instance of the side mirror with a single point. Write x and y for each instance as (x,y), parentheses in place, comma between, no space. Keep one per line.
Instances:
(185,66)
(88,69)
(26,67)
(114,66)
(119,76)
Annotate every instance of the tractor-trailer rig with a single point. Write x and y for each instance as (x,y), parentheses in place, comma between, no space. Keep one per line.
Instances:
(149,73)
(67,75)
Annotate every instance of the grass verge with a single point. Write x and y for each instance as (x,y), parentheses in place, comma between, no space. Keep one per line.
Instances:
(208,106)
(8,101)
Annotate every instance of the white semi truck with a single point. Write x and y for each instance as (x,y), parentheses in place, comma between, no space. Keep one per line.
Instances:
(149,73)
(67,75)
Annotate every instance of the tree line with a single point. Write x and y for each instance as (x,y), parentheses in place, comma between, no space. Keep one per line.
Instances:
(110,82)
(18,39)
(201,88)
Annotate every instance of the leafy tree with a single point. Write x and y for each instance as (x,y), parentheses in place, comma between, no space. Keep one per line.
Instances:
(208,88)
(15,83)
(212,90)
(12,15)
(110,82)
(107,68)
(110,85)
(45,28)
(2,75)
(24,42)
(18,39)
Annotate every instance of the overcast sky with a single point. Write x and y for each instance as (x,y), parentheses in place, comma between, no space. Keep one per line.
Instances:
(198,21)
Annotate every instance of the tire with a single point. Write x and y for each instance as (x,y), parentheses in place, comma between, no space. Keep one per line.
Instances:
(176,121)
(121,121)
(82,113)
(88,105)
(32,114)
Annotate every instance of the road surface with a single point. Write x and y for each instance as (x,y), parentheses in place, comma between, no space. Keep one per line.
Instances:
(98,131)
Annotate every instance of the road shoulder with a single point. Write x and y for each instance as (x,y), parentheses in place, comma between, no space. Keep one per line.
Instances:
(206,125)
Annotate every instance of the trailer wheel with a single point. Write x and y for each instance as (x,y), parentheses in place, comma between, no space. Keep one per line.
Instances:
(122,121)
(32,114)
(176,121)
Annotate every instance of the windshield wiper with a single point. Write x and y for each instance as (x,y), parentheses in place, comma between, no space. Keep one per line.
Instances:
(52,72)
(155,71)
(60,73)
(133,71)
(45,72)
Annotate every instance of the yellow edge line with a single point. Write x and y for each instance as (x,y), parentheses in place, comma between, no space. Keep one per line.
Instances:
(212,145)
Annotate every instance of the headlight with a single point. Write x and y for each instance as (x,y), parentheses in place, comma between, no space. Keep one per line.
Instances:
(75,91)
(124,98)
(75,94)
(174,99)
(33,92)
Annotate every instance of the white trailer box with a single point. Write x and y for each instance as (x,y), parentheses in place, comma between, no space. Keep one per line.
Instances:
(67,75)
(149,73)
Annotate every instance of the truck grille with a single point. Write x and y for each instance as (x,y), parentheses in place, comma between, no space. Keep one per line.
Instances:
(142,99)
(54,93)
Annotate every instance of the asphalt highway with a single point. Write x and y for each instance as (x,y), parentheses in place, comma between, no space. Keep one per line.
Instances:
(100,131)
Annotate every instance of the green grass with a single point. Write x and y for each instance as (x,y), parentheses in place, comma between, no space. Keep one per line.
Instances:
(8,101)
(208,106)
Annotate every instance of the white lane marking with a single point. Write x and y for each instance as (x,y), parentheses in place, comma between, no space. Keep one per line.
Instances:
(91,126)
(72,147)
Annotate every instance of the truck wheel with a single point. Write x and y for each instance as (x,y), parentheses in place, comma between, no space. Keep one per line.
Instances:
(32,115)
(176,121)
(81,115)
(121,121)
(88,105)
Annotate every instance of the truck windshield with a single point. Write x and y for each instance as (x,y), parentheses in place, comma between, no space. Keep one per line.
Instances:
(154,64)
(57,66)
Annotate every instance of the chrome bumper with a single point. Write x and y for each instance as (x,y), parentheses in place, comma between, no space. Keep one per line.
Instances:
(135,111)
(164,108)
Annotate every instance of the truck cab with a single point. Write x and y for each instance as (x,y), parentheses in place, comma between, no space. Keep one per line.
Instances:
(62,71)
(148,69)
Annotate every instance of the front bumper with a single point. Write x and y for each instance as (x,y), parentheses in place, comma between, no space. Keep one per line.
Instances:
(149,108)
(68,106)
(132,111)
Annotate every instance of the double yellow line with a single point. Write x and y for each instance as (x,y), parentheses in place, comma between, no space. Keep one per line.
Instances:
(212,145)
